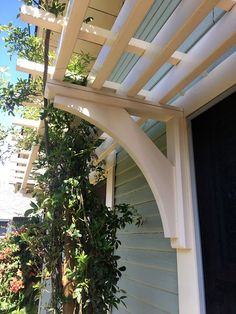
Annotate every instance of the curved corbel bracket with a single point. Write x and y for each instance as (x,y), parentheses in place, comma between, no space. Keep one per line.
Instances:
(157,169)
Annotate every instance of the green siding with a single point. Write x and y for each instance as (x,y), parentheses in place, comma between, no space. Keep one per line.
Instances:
(150,279)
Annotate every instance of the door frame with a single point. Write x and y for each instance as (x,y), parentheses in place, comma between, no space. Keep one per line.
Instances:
(198,247)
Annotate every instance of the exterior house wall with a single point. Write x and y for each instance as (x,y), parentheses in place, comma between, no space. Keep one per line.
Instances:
(150,279)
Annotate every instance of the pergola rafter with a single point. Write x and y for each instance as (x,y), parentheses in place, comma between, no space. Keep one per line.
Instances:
(103,68)
(90,33)
(219,80)
(74,18)
(179,26)
(210,48)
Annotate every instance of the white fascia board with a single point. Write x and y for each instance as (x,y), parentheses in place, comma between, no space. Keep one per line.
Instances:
(179,26)
(215,83)
(210,47)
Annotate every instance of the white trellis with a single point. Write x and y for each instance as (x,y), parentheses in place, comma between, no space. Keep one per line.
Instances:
(168,177)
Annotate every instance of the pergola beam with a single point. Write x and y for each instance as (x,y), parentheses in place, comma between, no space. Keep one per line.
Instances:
(135,107)
(181,24)
(74,19)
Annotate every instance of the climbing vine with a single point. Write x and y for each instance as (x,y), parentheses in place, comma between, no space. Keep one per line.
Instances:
(75,234)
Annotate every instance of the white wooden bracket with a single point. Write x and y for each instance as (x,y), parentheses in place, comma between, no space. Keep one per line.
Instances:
(164,175)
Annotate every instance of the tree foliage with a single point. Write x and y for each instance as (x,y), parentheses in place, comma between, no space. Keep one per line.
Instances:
(19,41)
(19,283)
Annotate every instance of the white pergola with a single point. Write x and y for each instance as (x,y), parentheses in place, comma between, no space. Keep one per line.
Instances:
(112,106)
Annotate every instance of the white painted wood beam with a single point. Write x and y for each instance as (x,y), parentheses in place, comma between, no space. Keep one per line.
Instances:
(119,88)
(135,107)
(74,18)
(215,83)
(25,122)
(137,14)
(87,32)
(217,41)
(155,166)
(32,68)
(37,69)
(180,25)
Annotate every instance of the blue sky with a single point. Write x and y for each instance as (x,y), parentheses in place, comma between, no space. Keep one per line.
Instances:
(8,13)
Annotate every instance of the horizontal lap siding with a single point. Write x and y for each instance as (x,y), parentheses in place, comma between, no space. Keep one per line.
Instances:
(150,279)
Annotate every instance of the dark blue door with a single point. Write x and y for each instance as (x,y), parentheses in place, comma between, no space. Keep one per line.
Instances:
(214,143)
